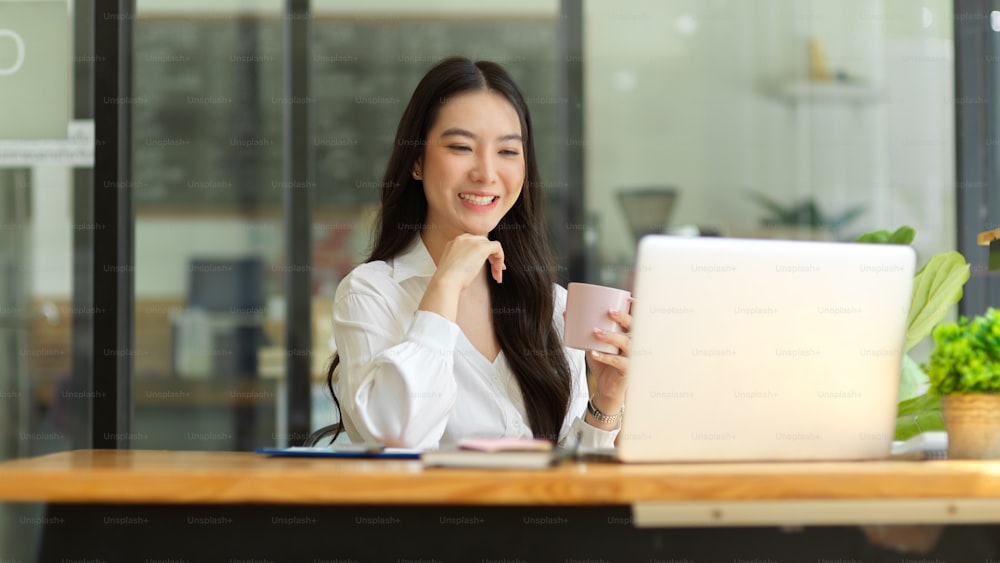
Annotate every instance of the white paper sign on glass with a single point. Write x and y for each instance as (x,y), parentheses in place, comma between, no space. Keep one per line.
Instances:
(35,70)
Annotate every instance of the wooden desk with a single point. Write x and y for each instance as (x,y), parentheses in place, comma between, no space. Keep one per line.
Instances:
(676,495)
(946,491)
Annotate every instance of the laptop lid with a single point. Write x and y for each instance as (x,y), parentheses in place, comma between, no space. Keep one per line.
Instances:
(746,349)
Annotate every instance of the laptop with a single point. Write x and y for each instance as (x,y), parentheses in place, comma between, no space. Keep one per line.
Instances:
(764,350)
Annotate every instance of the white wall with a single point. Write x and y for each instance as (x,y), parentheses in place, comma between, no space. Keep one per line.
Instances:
(681,93)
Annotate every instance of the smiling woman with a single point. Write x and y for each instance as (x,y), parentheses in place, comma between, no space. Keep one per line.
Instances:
(454,329)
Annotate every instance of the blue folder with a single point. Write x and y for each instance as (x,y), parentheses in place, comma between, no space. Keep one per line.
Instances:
(345,451)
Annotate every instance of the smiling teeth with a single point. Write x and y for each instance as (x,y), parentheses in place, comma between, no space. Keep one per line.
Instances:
(477,199)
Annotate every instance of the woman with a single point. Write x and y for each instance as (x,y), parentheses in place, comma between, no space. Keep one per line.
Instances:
(452,328)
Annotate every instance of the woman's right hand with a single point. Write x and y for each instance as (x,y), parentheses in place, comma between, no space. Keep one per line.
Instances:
(463,258)
(460,264)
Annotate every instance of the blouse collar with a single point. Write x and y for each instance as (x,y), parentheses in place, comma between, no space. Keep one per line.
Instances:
(415,261)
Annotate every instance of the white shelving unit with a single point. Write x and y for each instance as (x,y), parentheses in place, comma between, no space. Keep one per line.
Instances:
(811,91)
(804,96)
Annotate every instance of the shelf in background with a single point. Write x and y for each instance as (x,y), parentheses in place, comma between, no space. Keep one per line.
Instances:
(827,92)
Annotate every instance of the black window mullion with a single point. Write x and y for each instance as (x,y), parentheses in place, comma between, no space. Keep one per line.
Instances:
(570,242)
(83,238)
(113,264)
(298,188)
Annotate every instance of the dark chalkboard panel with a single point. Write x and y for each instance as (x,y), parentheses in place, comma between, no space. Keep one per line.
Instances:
(208,100)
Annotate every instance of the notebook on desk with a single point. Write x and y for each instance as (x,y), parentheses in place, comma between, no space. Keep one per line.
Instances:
(764,350)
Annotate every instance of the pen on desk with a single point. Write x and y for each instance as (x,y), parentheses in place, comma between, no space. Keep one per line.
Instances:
(570,451)
(578,444)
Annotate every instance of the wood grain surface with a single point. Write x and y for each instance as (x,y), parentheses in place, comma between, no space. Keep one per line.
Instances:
(171,477)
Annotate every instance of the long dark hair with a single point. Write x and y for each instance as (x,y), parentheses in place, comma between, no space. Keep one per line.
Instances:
(523,303)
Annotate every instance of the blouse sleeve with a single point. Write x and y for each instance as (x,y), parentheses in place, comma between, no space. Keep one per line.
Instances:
(575,429)
(397,383)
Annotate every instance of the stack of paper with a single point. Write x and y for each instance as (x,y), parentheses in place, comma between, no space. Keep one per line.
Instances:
(510,453)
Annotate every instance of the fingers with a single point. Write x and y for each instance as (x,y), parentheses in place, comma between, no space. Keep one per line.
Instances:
(464,256)
(610,369)
(497,265)
(616,361)
(622,341)
(616,339)
(490,250)
(497,270)
(622,318)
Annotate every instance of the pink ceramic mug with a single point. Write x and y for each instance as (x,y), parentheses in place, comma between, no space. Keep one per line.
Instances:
(587,308)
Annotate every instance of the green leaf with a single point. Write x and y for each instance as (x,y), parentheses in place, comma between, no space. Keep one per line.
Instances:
(874,236)
(936,287)
(966,355)
(903,235)
(911,379)
(919,414)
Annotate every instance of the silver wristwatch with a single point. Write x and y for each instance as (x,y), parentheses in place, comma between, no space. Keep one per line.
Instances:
(604,418)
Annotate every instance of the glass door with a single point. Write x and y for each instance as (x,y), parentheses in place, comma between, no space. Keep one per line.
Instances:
(208,192)
(46,151)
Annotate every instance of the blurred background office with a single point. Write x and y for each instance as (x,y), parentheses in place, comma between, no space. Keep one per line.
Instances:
(806,119)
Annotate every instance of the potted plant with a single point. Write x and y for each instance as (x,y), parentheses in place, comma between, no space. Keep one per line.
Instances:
(804,218)
(964,370)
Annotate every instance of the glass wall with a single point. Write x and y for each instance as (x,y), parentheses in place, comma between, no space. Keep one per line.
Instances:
(207,171)
(812,119)
(42,139)
(842,109)
(771,118)
(768,118)
(208,176)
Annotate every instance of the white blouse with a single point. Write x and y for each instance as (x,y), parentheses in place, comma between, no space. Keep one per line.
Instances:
(410,378)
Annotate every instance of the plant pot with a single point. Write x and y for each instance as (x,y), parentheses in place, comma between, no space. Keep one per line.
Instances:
(973,424)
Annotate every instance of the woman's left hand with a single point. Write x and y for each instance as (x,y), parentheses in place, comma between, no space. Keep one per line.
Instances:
(610,370)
